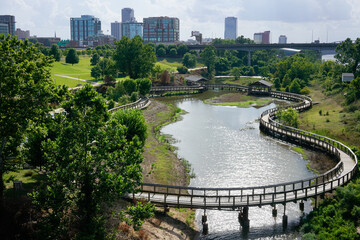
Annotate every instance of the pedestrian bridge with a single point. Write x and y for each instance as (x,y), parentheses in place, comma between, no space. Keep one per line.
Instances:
(233,198)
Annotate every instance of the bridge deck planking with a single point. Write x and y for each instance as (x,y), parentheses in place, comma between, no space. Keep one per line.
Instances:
(209,198)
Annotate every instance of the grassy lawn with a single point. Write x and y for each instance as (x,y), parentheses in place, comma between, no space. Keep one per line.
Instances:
(82,70)
(28,177)
(328,117)
(171,64)
(238,100)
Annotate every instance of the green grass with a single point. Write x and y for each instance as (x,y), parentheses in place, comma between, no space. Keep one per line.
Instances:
(241,81)
(27,176)
(247,104)
(171,64)
(82,70)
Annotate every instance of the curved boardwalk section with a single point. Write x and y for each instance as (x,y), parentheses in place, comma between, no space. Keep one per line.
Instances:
(238,198)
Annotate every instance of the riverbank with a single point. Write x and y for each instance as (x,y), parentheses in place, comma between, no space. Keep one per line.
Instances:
(162,166)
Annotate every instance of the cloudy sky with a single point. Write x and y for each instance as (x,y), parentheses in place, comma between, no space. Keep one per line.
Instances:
(299,20)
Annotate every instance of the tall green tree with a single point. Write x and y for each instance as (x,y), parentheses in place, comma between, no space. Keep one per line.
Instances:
(289,116)
(26,88)
(133,58)
(130,86)
(144,85)
(349,53)
(90,164)
(94,59)
(182,49)
(72,57)
(209,57)
(55,52)
(295,86)
(189,60)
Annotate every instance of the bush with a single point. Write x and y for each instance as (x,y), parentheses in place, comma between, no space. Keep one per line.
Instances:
(182,70)
(134,96)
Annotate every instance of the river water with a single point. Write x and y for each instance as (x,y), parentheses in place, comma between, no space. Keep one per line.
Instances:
(226,149)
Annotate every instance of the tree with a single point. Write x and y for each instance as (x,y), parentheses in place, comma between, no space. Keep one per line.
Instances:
(173,52)
(165,78)
(26,89)
(222,66)
(189,60)
(289,117)
(133,58)
(55,52)
(72,57)
(94,59)
(349,53)
(236,72)
(144,85)
(295,86)
(209,57)
(115,93)
(90,164)
(96,72)
(182,49)
(107,67)
(160,52)
(130,86)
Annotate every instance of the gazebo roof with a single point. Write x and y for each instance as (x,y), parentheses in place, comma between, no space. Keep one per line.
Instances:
(195,78)
(261,83)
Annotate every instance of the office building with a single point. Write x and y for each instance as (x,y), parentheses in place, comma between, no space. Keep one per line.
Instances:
(282,39)
(161,29)
(258,38)
(10,22)
(4,29)
(83,27)
(230,28)
(263,37)
(266,37)
(22,34)
(116,30)
(127,15)
(131,29)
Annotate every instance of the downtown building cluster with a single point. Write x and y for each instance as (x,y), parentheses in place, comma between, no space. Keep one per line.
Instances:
(86,30)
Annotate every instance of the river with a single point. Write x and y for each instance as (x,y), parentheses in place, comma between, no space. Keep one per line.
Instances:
(226,149)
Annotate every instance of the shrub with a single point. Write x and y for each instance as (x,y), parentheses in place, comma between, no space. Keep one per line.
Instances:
(182,70)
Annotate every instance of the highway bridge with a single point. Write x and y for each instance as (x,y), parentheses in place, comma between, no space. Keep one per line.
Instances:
(322,48)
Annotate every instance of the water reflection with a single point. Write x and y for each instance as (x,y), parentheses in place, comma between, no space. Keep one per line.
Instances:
(226,149)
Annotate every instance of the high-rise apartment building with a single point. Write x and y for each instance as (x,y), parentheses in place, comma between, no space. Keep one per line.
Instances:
(10,22)
(127,15)
(83,27)
(258,37)
(282,39)
(131,29)
(22,34)
(116,30)
(230,28)
(161,29)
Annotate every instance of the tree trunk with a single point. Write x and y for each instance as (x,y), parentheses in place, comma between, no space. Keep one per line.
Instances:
(2,146)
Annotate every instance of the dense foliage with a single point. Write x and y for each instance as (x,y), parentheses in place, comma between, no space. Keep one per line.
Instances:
(133,58)
(26,90)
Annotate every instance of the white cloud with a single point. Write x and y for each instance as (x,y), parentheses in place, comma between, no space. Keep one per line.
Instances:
(295,18)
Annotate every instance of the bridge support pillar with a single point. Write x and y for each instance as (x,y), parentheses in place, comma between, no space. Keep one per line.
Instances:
(274,212)
(244,218)
(205,224)
(249,58)
(285,218)
(301,205)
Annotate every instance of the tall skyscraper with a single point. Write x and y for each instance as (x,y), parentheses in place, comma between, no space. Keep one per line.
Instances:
(282,39)
(127,15)
(116,30)
(10,21)
(230,28)
(161,29)
(131,29)
(4,29)
(82,28)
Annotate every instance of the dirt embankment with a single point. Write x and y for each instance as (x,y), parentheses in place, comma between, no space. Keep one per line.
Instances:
(164,168)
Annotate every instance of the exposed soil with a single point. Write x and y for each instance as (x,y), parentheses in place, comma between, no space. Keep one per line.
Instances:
(321,162)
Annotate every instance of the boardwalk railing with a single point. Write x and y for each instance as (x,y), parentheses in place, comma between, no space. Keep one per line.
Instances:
(139,104)
(232,198)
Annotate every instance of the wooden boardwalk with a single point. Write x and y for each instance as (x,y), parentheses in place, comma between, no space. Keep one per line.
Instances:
(234,198)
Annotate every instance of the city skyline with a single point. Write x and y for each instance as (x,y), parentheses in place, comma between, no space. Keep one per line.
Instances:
(300,21)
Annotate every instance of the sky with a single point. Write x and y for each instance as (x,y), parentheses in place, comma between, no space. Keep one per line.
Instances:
(300,20)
